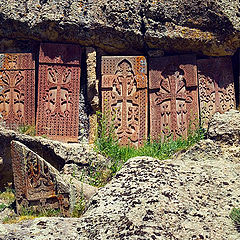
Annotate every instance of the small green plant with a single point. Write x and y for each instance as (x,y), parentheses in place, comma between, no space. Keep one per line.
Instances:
(31,213)
(79,207)
(2,206)
(235,216)
(44,136)
(27,129)
(8,195)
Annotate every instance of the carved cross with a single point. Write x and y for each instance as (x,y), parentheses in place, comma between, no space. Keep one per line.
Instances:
(58,100)
(171,92)
(11,96)
(126,94)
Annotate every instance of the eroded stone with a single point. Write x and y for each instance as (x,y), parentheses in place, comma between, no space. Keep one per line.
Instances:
(38,185)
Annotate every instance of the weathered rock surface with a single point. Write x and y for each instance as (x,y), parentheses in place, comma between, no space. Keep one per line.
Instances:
(225,128)
(188,197)
(56,153)
(128,26)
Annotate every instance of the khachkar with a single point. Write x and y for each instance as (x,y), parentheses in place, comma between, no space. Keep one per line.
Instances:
(38,185)
(216,87)
(17,89)
(58,91)
(124,97)
(173,96)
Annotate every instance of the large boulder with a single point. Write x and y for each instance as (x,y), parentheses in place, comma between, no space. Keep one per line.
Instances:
(128,26)
(225,128)
(188,197)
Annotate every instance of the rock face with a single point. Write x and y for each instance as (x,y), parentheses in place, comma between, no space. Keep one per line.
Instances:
(187,197)
(225,128)
(210,27)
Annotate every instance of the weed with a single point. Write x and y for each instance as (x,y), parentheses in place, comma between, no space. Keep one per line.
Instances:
(31,213)
(14,219)
(79,207)
(107,144)
(235,216)
(2,206)
(8,195)
(27,129)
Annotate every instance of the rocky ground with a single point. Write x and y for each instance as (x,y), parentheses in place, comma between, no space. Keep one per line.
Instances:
(187,197)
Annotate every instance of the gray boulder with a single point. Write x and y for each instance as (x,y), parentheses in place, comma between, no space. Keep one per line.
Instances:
(225,128)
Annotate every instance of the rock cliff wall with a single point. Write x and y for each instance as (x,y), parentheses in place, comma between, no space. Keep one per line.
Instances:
(210,27)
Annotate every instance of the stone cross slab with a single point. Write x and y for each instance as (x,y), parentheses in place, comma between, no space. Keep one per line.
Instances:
(38,185)
(58,91)
(124,97)
(216,87)
(173,96)
(17,89)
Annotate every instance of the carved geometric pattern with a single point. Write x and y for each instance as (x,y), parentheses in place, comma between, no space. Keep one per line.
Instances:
(173,96)
(124,97)
(38,185)
(17,89)
(216,87)
(58,92)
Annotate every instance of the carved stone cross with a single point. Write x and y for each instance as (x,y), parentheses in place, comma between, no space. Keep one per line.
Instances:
(17,89)
(173,96)
(124,97)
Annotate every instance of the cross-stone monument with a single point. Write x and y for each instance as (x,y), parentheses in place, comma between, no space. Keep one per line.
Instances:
(17,89)
(38,185)
(216,87)
(173,96)
(124,97)
(58,91)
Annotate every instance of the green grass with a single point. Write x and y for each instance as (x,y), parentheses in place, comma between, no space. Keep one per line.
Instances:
(27,129)
(235,216)
(107,144)
(31,213)
(7,196)
(79,208)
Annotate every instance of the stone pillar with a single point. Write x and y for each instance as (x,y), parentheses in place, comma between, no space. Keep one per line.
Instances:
(92,90)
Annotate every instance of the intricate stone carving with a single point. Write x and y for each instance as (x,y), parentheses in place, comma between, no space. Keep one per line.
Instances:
(38,185)
(58,92)
(216,87)
(124,97)
(17,89)
(173,96)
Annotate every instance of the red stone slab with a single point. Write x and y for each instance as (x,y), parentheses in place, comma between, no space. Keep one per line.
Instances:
(38,185)
(60,53)
(124,97)
(58,99)
(173,96)
(17,89)
(216,87)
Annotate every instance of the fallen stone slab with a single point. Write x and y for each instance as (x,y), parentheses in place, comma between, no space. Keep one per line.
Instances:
(38,185)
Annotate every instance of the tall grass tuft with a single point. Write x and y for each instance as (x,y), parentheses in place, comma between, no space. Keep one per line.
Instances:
(107,144)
